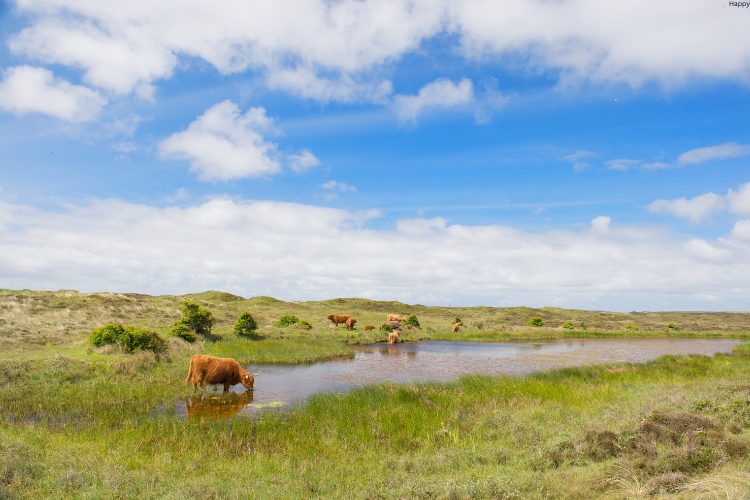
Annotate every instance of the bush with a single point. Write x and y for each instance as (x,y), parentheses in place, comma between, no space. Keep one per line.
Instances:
(582,325)
(386,327)
(413,321)
(457,320)
(478,325)
(245,325)
(535,322)
(142,339)
(631,327)
(181,331)
(200,320)
(107,334)
(130,338)
(568,325)
(287,320)
(304,324)
(672,326)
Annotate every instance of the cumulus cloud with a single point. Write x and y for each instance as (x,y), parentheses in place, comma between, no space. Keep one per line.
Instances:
(295,252)
(338,50)
(696,209)
(441,93)
(26,89)
(721,152)
(340,186)
(223,144)
(303,161)
(739,201)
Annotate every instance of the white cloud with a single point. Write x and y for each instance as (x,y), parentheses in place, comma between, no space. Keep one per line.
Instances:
(721,152)
(338,50)
(295,252)
(438,94)
(622,164)
(340,186)
(695,209)
(741,230)
(25,89)
(577,157)
(223,144)
(739,201)
(303,161)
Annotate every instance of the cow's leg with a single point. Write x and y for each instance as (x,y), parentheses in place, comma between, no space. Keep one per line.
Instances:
(226,386)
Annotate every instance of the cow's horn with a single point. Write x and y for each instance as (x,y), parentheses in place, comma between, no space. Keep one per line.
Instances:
(255,374)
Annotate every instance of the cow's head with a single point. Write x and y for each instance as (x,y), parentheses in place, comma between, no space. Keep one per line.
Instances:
(248,380)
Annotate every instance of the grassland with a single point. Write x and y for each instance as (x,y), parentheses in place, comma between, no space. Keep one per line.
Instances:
(30,320)
(83,423)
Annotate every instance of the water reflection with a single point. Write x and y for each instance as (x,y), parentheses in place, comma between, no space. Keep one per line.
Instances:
(284,385)
(217,406)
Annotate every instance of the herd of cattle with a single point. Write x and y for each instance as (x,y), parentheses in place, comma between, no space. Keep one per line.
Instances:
(228,372)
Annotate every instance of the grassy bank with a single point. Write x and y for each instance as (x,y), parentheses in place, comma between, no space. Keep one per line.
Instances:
(674,427)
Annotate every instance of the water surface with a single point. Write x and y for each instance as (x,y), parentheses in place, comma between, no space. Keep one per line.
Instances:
(284,385)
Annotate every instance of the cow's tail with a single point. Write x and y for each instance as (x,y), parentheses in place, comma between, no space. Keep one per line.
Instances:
(190,373)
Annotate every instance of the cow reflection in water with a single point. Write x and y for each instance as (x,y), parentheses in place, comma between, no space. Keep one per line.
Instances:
(217,406)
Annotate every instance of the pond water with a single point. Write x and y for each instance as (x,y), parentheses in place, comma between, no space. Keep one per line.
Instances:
(280,386)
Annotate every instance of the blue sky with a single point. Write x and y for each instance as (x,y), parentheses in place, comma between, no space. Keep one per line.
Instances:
(524,153)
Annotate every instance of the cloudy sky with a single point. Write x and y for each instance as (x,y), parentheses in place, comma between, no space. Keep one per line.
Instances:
(469,152)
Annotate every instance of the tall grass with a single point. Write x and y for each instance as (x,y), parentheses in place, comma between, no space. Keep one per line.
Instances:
(91,430)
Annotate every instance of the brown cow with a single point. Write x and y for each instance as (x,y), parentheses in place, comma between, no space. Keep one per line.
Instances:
(393,324)
(408,327)
(369,327)
(213,370)
(395,317)
(350,323)
(338,318)
(454,328)
(394,338)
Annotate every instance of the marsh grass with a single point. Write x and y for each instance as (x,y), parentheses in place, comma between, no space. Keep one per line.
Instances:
(84,429)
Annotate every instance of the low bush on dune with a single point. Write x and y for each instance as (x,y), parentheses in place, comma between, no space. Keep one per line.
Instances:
(568,325)
(535,322)
(290,320)
(245,326)
(179,330)
(130,338)
(413,321)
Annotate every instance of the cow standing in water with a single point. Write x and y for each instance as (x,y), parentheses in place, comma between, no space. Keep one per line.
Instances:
(223,371)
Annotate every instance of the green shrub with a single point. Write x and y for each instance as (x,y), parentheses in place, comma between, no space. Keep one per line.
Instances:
(287,320)
(582,325)
(478,325)
(457,320)
(672,326)
(107,334)
(535,322)
(386,327)
(136,339)
(304,324)
(632,327)
(413,321)
(200,320)
(130,338)
(182,331)
(568,325)
(245,325)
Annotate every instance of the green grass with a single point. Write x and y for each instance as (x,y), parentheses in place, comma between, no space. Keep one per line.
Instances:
(77,422)
(295,350)
(89,429)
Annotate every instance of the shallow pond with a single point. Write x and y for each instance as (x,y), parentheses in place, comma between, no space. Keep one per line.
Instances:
(283,385)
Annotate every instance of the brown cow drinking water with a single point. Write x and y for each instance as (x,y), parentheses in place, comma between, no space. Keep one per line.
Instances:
(213,370)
